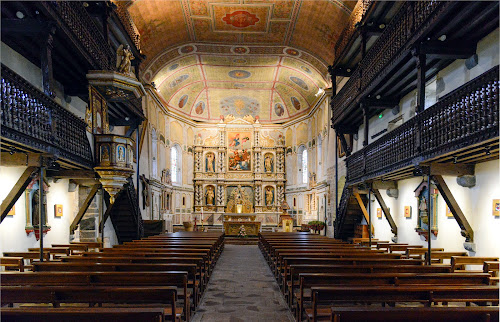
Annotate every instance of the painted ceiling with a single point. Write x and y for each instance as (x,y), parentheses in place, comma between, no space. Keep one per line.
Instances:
(273,88)
(270,55)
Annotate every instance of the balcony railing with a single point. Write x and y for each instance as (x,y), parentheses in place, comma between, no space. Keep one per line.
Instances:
(129,24)
(356,16)
(78,22)
(30,118)
(466,116)
(408,24)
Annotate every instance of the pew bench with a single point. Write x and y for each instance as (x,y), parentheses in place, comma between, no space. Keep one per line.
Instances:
(415,314)
(171,278)
(492,268)
(110,296)
(12,263)
(324,297)
(460,262)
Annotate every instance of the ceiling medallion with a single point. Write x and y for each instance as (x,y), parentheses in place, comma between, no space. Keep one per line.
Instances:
(240,19)
(187,49)
(291,52)
(239,74)
(240,50)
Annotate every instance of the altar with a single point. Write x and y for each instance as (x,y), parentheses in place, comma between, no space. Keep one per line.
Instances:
(233,223)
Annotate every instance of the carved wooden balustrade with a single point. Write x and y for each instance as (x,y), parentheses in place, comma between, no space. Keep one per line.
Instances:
(466,116)
(408,25)
(30,118)
(128,23)
(77,21)
(356,16)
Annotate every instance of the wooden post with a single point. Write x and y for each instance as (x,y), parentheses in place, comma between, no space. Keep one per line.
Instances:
(137,153)
(41,206)
(429,219)
(421,69)
(370,216)
(365,123)
(46,63)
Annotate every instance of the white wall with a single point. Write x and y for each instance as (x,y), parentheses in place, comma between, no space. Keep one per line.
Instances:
(476,203)
(12,230)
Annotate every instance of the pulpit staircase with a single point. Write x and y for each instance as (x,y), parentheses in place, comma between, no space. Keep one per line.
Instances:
(125,215)
(349,215)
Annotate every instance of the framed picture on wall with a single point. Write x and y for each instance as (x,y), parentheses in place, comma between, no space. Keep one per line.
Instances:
(496,207)
(379,213)
(58,210)
(407,211)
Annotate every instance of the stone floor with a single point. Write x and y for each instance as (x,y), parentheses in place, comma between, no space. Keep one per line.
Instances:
(242,288)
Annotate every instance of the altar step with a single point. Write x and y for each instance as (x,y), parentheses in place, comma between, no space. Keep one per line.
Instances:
(241,241)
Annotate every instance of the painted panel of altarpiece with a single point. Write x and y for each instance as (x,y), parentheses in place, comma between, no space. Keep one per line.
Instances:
(239,148)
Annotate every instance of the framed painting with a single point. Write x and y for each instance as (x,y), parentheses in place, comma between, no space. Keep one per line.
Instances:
(379,213)
(58,210)
(239,151)
(496,207)
(407,211)
(448,212)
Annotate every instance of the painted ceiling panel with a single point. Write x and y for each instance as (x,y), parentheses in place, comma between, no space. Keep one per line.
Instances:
(266,58)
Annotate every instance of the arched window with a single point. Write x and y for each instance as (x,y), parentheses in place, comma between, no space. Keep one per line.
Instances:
(305,171)
(175,163)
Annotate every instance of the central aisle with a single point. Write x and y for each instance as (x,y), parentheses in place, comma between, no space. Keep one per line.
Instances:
(242,288)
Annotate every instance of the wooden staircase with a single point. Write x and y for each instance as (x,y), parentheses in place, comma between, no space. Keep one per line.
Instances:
(349,214)
(125,216)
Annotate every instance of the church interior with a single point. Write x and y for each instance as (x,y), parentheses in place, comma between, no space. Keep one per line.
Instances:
(249,160)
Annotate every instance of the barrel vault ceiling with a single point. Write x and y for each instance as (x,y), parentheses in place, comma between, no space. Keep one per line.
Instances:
(264,58)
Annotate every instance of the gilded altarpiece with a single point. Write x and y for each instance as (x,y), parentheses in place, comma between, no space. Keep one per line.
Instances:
(239,164)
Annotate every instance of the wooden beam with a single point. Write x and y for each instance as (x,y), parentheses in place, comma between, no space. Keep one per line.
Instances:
(83,209)
(383,103)
(19,158)
(71,174)
(448,49)
(459,216)
(386,211)
(18,189)
(343,142)
(443,169)
(379,184)
(363,209)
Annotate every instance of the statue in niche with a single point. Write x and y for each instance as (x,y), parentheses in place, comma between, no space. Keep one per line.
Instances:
(145,191)
(124,57)
(210,162)
(35,208)
(240,196)
(210,196)
(269,163)
(269,196)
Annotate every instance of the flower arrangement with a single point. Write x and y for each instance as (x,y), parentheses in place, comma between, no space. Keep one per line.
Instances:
(316,225)
(242,233)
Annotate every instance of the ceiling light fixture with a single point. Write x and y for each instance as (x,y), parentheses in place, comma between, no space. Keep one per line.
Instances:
(20,15)
(442,38)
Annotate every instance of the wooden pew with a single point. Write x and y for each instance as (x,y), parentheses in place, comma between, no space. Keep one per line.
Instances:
(74,248)
(492,268)
(427,294)
(30,257)
(56,295)
(459,262)
(418,253)
(178,279)
(54,251)
(293,281)
(439,257)
(88,314)
(12,263)
(311,280)
(192,269)
(414,314)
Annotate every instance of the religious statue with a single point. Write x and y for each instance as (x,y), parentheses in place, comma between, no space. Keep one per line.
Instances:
(35,208)
(239,196)
(124,57)
(268,163)
(269,196)
(145,191)
(199,140)
(210,162)
(210,196)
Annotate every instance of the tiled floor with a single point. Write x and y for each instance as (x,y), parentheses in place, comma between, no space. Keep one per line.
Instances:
(242,288)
